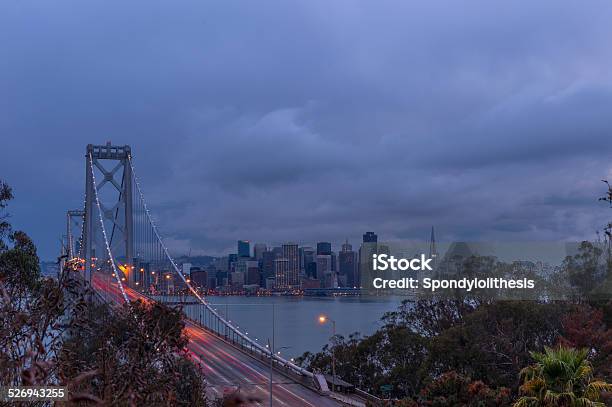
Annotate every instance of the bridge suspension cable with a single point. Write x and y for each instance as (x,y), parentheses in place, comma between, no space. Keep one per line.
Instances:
(134,252)
(165,252)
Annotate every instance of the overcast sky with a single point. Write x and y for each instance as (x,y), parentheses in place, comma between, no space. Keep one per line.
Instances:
(314,120)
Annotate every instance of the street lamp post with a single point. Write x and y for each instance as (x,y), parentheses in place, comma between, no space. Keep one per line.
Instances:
(272,353)
(271,346)
(323,319)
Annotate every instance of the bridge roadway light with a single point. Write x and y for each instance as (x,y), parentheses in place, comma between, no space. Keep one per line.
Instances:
(322,320)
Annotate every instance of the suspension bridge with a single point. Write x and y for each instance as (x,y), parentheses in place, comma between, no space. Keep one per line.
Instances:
(124,258)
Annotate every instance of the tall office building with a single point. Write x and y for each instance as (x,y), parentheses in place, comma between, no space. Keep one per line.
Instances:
(267,264)
(253,275)
(222,278)
(199,278)
(281,275)
(367,249)
(323,265)
(325,271)
(370,237)
(311,269)
(222,263)
(290,252)
(433,250)
(306,254)
(347,266)
(237,280)
(179,284)
(231,262)
(244,263)
(258,250)
(244,248)
(324,248)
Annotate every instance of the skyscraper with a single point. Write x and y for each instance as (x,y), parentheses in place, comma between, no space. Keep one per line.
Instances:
(347,266)
(325,273)
(290,252)
(244,248)
(433,250)
(258,250)
(253,275)
(306,254)
(367,249)
(324,248)
(281,276)
(267,264)
(370,237)
(311,269)
(278,251)
(231,261)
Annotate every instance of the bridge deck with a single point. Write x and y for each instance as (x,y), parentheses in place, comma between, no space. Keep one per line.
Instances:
(227,369)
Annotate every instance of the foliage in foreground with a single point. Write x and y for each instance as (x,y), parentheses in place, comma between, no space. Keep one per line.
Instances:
(53,333)
(131,355)
(439,352)
(561,377)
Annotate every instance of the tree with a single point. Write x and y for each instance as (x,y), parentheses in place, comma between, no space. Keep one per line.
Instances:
(454,390)
(585,327)
(585,270)
(135,354)
(6,195)
(492,343)
(52,333)
(561,377)
(429,317)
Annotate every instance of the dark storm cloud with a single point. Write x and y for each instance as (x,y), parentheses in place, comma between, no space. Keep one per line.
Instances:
(314,120)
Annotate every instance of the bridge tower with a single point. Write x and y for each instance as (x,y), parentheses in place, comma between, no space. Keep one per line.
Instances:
(72,217)
(118,212)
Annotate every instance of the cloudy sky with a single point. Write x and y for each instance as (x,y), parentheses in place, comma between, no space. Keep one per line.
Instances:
(314,120)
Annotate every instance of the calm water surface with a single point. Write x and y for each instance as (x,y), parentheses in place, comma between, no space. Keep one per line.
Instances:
(296,323)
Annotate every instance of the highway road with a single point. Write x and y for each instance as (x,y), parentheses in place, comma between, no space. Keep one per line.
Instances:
(226,368)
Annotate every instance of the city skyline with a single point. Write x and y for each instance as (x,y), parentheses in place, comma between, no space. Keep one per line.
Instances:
(306,203)
(282,123)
